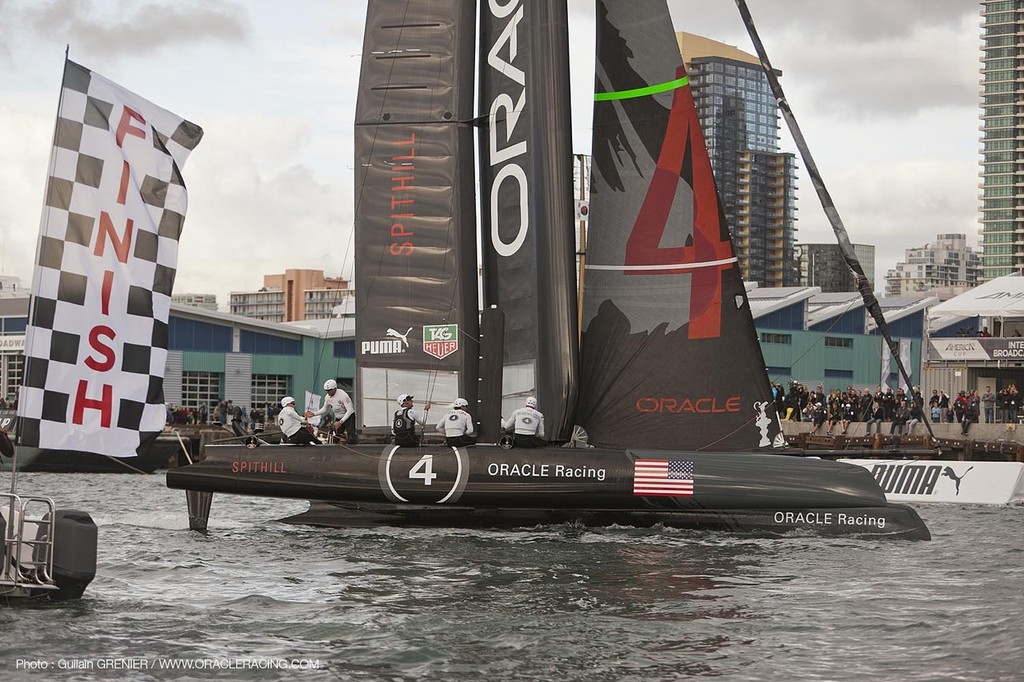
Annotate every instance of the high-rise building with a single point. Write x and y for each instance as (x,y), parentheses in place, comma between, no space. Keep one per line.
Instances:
(1002,170)
(294,295)
(944,269)
(756,181)
(823,265)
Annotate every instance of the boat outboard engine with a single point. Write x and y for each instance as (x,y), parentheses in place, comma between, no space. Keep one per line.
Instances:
(74,553)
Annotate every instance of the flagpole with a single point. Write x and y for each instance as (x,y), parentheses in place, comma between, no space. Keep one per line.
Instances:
(31,294)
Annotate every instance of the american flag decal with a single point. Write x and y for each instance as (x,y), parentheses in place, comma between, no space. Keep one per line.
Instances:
(663,477)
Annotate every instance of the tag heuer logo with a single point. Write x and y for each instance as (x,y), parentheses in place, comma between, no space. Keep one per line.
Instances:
(440,340)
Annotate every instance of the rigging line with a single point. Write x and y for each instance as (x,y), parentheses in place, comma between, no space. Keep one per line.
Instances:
(726,436)
(813,346)
(863,285)
(663,266)
(124,464)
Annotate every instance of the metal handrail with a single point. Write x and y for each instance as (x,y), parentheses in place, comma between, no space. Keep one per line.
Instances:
(36,570)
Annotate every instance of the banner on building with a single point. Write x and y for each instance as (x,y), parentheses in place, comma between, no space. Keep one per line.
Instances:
(883,380)
(905,347)
(982,349)
(114,207)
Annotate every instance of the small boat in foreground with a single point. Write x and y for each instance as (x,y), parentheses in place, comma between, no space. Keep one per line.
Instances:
(47,552)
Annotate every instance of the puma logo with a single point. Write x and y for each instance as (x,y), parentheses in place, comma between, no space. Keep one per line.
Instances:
(950,474)
(398,335)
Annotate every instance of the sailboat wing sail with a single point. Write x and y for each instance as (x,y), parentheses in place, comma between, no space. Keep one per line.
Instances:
(527,204)
(416,284)
(115,202)
(669,356)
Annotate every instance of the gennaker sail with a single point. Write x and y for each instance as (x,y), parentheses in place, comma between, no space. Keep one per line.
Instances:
(669,356)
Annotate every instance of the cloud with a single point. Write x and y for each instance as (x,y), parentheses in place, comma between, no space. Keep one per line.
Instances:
(858,59)
(927,67)
(5,24)
(886,93)
(22,175)
(251,212)
(863,21)
(134,28)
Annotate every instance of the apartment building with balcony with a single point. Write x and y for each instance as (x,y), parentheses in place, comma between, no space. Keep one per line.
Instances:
(945,268)
(1002,138)
(294,295)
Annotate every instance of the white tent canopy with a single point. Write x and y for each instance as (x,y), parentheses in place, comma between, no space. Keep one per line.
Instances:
(1000,297)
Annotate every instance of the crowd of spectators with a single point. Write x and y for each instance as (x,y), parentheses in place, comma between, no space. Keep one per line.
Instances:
(222,412)
(832,413)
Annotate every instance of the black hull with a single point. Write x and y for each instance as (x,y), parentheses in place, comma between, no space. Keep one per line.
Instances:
(488,486)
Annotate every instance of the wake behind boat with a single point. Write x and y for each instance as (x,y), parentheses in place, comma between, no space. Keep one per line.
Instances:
(659,363)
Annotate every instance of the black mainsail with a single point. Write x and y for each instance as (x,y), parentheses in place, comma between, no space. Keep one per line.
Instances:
(527,203)
(669,356)
(416,284)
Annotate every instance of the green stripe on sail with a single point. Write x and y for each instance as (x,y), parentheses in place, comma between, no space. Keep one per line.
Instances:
(641,92)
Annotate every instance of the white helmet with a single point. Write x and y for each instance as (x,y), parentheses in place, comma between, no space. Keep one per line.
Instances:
(330,385)
(531,402)
(287,400)
(460,402)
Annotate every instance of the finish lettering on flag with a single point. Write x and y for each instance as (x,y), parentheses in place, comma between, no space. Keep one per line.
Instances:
(663,477)
(113,210)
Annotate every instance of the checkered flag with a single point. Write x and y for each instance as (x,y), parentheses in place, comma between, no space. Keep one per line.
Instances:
(115,202)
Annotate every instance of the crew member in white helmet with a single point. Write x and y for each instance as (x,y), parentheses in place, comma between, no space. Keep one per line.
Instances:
(526,425)
(457,425)
(406,418)
(338,404)
(292,425)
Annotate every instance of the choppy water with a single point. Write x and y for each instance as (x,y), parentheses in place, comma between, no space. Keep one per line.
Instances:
(558,603)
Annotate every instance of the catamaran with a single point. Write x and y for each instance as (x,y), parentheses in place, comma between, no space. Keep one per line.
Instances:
(654,389)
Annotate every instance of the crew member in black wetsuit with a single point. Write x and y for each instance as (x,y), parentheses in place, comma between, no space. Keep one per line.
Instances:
(403,426)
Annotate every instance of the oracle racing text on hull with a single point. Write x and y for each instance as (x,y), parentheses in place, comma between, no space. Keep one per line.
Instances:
(489,486)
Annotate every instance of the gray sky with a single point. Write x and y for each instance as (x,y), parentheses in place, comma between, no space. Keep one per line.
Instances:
(886,94)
